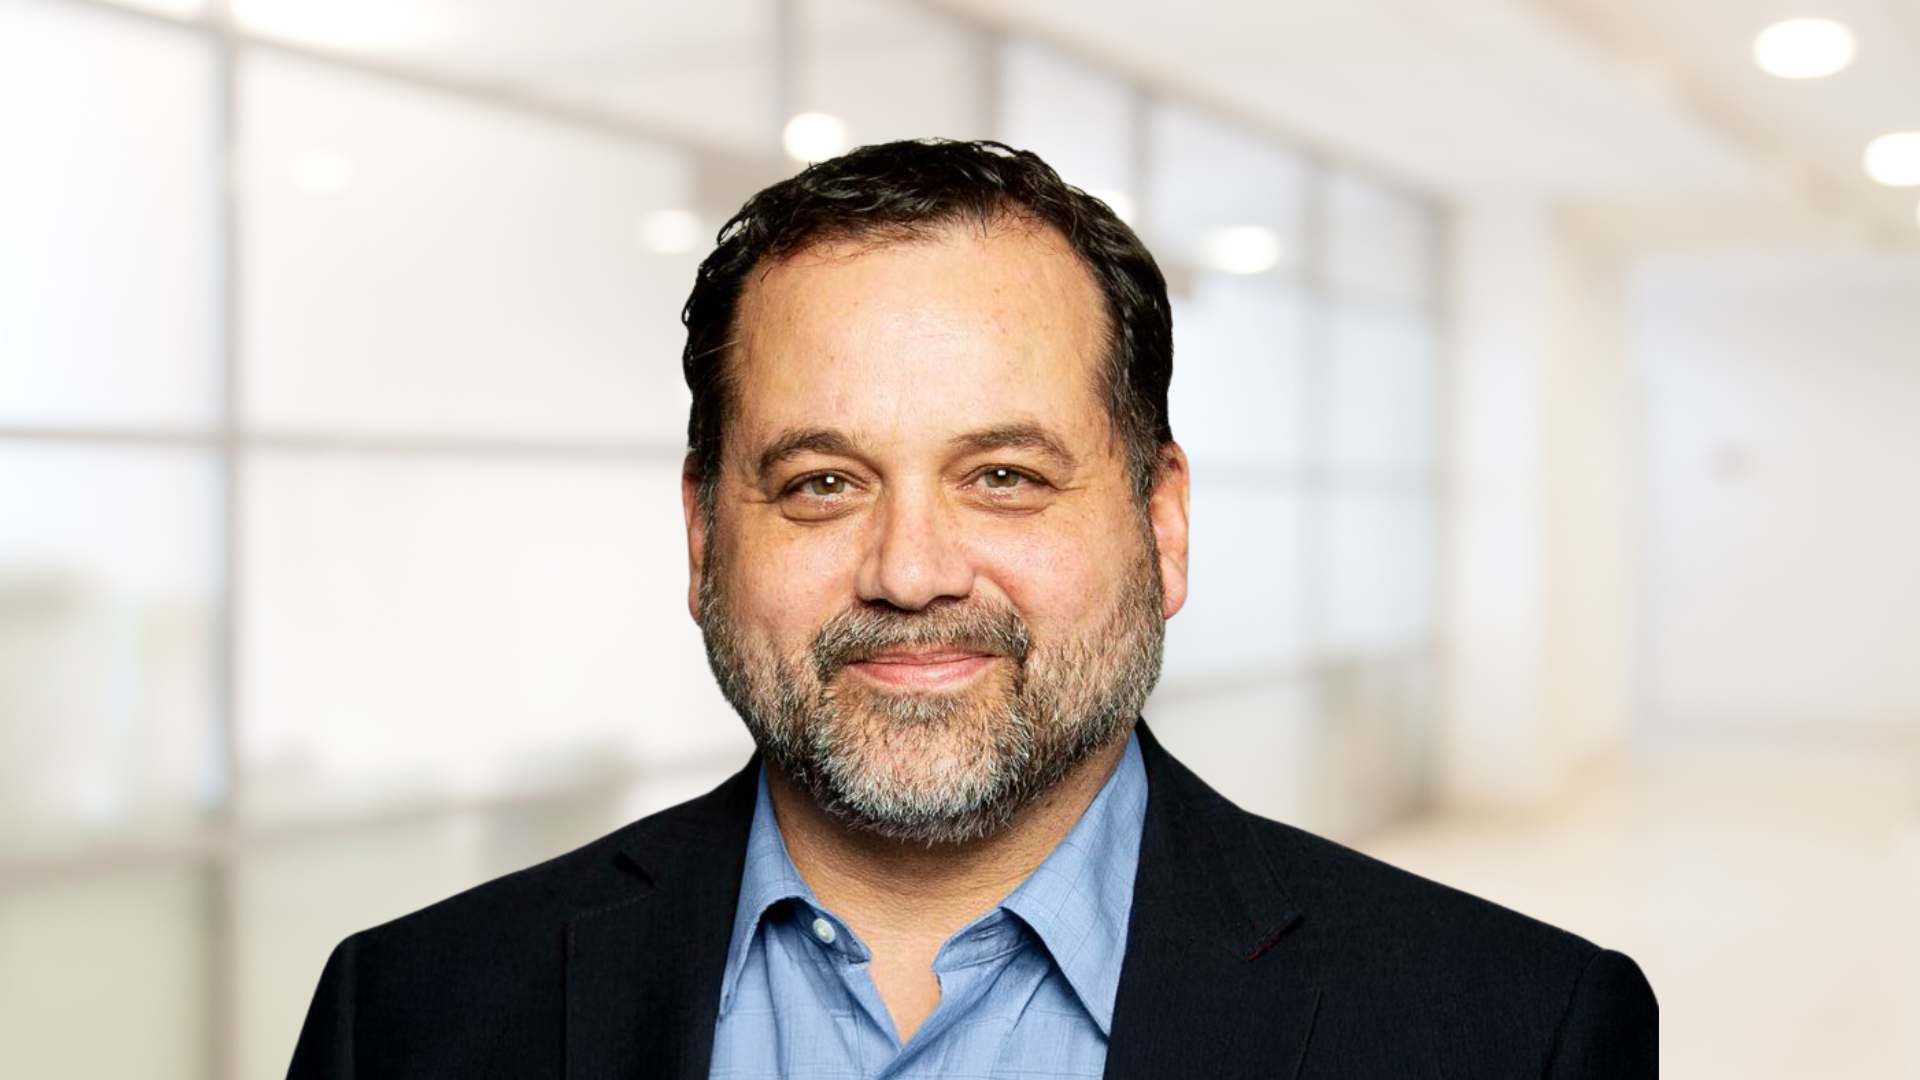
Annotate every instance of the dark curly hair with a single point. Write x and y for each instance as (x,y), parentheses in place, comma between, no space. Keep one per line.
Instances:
(900,191)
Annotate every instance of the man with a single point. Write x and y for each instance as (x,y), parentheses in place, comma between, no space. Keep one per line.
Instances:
(936,520)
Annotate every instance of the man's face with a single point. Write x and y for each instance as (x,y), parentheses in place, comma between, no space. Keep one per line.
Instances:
(927,584)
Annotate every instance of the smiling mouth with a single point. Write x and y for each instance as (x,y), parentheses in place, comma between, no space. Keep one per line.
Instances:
(933,669)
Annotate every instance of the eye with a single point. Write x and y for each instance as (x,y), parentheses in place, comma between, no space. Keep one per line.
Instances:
(822,485)
(821,496)
(1002,477)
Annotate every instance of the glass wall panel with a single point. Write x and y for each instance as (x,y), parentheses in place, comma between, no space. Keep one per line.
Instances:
(1337,753)
(1077,117)
(1246,603)
(107,978)
(1380,242)
(107,577)
(1380,387)
(1239,394)
(420,625)
(1371,760)
(892,70)
(1222,198)
(421,264)
(1256,742)
(702,73)
(671,787)
(520,836)
(1377,582)
(108,286)
(298,901)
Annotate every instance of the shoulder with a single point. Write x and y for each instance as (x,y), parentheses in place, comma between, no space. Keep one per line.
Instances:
(1349,904)
(480,978)
(1349,892)
(1475,987)
(1409,971)
(509,934)
(1383,920)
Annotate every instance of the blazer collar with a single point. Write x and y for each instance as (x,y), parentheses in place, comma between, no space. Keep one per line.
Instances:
(1205,990)
(643,974)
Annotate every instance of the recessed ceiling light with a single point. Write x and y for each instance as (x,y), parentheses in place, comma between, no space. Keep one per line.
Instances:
(1240,249)
(670,232)
(814,136)
(1804,48)
(1894,159)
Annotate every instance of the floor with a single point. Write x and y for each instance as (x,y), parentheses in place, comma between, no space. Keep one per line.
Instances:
(1771,894)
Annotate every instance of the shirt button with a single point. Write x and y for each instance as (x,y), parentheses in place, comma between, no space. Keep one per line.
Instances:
(823,930)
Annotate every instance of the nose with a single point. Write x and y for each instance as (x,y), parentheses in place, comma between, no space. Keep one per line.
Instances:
(914,557)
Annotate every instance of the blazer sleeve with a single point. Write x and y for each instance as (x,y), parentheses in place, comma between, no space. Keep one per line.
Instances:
(1611,1028)
(325,1049)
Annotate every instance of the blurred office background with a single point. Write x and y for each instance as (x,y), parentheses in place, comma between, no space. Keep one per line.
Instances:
(1550,371)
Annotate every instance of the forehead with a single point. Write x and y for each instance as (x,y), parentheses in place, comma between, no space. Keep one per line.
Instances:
(965,322)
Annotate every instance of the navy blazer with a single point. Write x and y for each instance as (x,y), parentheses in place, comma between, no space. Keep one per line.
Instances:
(1254,950)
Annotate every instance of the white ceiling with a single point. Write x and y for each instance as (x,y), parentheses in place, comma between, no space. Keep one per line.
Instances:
(1814,131)
(1456,94)
(1648,102)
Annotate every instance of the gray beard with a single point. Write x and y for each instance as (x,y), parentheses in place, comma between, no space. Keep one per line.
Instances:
(931,768)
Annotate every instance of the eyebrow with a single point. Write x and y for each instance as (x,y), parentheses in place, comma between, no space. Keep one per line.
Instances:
(1024,436)
(1018,436)
(800,441)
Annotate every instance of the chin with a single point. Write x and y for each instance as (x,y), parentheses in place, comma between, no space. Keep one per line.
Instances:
(923,767)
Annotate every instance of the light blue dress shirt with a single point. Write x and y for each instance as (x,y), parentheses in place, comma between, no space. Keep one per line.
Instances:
(1026,990)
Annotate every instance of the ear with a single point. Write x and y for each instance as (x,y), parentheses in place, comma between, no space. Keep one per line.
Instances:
(696,533)
(1167,509)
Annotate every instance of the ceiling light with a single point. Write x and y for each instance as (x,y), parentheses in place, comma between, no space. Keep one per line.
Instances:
(1804,48)
(814,136)
(670,232)
(341,24)
(1241,249)
(1117,201)
(1894,159)
(320,173)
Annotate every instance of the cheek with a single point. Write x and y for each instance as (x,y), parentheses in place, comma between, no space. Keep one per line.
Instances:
(783,588)
(1055,581)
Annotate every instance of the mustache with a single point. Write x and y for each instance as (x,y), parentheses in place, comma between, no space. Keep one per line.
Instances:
(976,626)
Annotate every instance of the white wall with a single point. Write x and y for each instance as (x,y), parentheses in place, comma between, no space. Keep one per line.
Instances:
(1537,567)
(1780,480)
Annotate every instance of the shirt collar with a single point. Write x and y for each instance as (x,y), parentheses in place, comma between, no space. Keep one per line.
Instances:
(1077,901)
(769,878)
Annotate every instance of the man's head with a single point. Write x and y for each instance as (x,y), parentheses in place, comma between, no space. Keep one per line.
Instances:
(897,192)
(935,515)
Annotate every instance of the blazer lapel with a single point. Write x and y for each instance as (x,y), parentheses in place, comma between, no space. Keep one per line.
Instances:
(643,975)
(1205,989)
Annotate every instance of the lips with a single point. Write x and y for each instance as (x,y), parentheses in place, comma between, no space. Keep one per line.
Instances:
(924,669)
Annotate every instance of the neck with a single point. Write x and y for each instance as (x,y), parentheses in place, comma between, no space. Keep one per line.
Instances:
(889,890)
